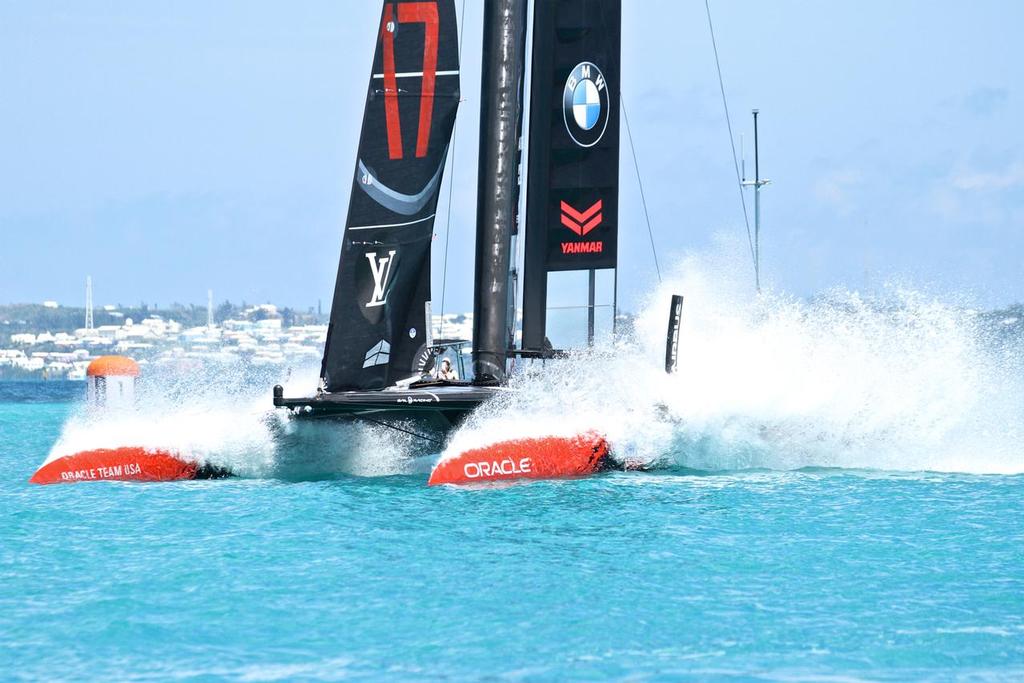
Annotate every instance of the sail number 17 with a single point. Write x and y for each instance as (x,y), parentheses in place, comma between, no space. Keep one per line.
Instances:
(409,13)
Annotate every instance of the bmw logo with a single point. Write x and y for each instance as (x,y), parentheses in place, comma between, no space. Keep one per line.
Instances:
(585,104)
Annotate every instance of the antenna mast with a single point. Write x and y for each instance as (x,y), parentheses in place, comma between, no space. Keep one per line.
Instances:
(756,183)
(209,309)
(88,303)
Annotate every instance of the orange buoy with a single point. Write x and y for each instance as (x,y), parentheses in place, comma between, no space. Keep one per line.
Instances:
(113,366)
(552,457)
(111,382)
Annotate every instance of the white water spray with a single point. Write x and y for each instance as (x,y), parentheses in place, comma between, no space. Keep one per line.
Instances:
(908,383)
(905,383)
(223,417)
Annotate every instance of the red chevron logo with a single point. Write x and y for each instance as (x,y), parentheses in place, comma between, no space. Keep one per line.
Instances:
(582,222)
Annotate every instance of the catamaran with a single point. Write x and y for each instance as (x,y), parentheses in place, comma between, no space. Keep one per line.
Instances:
(379,348)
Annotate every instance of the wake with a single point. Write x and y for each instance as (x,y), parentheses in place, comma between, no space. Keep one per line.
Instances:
(900,382)
(222,416)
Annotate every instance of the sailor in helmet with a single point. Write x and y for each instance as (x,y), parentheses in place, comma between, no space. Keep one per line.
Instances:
(446,372)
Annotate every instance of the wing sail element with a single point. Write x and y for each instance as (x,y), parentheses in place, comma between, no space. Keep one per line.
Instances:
(378,324)
(572,194)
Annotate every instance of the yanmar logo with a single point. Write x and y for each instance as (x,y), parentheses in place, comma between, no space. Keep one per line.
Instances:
(581,223)
(508,467)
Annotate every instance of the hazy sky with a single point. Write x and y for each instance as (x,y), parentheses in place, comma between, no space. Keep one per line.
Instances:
(166,148)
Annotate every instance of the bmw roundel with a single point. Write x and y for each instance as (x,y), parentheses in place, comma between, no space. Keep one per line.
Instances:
(585,104)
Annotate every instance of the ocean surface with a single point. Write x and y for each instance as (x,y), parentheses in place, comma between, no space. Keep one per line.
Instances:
(807,574)
(835,492)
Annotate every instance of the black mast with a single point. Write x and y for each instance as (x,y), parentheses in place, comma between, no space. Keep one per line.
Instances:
(501,109)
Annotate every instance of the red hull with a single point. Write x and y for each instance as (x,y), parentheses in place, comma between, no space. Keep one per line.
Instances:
(552,457)
(115,464)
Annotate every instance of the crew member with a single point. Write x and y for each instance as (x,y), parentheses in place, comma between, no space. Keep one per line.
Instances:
(446,372)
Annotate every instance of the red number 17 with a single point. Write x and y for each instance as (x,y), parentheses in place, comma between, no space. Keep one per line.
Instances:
(409,13)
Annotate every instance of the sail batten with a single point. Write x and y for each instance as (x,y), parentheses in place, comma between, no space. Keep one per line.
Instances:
(378,327)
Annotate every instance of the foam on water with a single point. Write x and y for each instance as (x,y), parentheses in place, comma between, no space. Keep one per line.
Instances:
(899,382)
(903,381)
(224,417)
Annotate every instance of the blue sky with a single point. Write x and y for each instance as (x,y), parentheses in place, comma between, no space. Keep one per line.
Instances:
(168,148)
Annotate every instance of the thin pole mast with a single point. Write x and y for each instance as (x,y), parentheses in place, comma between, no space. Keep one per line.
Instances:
(615,303)
(757,183)
(757,210)
(591,287)
(88,303)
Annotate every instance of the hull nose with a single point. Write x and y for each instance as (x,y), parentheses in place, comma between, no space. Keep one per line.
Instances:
(552,457)
(117,464)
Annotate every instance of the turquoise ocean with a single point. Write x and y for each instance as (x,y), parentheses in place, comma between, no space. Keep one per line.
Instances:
(855,513)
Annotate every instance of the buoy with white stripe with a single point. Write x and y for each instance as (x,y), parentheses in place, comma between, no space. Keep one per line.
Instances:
(111,381)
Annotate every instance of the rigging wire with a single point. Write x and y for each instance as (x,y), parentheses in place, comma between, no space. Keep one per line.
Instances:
(401,429)
(640,182)
(732,140)
(451,188)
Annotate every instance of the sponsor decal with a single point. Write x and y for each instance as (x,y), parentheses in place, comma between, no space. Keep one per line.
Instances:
(492,468)
(379,354)
(125,470)
(77,475)
(410,400)
(586,104)
(582,222)
(380,268)
(582,247)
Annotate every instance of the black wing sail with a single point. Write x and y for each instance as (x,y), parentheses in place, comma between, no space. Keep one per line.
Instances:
(572,199)
(378,320)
